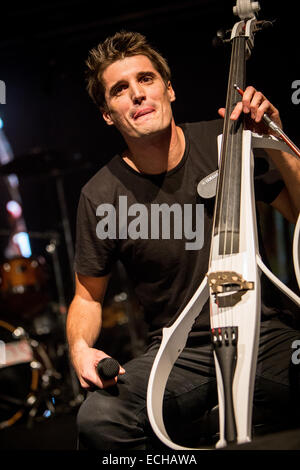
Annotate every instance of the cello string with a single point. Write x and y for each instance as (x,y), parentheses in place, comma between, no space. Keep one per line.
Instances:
(233,177)
(240,57)
(223,201)
(235,165)
(225,205)
(226,227)
(230,179)
(220,194)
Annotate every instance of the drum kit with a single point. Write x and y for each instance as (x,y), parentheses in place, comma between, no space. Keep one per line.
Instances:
(36,377)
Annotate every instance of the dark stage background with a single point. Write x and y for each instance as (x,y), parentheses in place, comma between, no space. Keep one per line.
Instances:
(43,48)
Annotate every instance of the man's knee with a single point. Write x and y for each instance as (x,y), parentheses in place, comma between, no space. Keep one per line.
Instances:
(93,420)
(107,422)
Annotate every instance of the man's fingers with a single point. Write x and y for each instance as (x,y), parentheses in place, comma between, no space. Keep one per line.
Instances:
(248,95)
(91,380)
(258,104)
(237,111)
(261,110)
(254,104)
(221,112)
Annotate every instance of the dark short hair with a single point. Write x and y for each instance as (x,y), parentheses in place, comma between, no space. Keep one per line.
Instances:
(122,44)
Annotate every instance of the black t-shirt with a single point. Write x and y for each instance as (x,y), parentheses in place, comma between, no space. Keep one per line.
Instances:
(158,226)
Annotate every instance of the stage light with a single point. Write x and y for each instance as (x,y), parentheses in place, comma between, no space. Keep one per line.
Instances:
(13,180)
(14,208)
(22,240)
(1,123)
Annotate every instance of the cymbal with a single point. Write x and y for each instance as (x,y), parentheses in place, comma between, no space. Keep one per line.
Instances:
(44,162)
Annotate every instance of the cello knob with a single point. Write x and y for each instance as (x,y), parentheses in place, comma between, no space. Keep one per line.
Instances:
(245,9)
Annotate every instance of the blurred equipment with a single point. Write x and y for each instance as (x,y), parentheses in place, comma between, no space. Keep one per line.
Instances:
(27,377)
(25,286)
(44,164)
(18,242)
(27,291)
(124,332)
(27,296)
(23,283)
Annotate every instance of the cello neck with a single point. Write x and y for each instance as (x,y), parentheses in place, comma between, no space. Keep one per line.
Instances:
(227,207)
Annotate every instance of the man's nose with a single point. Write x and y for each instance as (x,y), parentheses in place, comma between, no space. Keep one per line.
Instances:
(137,93)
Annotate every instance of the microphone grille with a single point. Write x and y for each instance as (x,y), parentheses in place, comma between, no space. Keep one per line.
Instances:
(108,368)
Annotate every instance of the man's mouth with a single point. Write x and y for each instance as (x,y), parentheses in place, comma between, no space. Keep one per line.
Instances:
(143,112)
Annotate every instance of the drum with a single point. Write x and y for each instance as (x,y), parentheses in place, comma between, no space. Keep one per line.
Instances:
(122,334)
(22,364)
(114,314)
(23,286)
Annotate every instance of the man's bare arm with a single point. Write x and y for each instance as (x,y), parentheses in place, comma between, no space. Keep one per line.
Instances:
(288,201)
(83,328)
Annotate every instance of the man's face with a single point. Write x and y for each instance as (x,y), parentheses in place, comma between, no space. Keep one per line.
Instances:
(137,98)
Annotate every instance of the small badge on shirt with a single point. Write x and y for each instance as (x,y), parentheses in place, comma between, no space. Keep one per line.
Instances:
(207,187)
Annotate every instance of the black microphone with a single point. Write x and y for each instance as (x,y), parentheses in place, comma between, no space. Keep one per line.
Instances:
(108,368)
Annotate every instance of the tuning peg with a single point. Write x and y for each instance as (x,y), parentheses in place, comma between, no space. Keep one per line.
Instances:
(219,39)
(265,24)
(221,33)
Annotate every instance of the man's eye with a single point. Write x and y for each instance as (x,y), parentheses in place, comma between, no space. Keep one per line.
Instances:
(119,89)
(147,78)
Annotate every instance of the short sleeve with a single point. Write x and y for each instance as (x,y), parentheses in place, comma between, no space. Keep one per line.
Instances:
(268,182)
(93,257)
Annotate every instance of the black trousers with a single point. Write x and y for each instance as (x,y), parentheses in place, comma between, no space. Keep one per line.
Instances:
(116,418)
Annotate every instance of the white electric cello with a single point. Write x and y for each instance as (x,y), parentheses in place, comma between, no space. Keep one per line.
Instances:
(232,283)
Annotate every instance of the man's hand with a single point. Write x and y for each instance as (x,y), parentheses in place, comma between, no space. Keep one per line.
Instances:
(83,328)
(254,104)
(85,362)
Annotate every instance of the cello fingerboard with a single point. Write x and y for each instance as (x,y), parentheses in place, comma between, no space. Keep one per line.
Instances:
(227,208)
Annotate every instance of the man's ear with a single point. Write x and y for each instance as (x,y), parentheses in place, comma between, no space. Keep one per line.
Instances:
(171,92)
(106,116)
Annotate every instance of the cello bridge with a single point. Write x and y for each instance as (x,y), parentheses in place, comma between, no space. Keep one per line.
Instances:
(228,281)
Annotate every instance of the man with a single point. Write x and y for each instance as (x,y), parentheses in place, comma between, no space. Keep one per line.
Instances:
(162,165)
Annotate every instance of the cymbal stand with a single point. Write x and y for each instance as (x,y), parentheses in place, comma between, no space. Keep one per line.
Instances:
(137,342)
(78,397)
(65,222)
(51,248)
